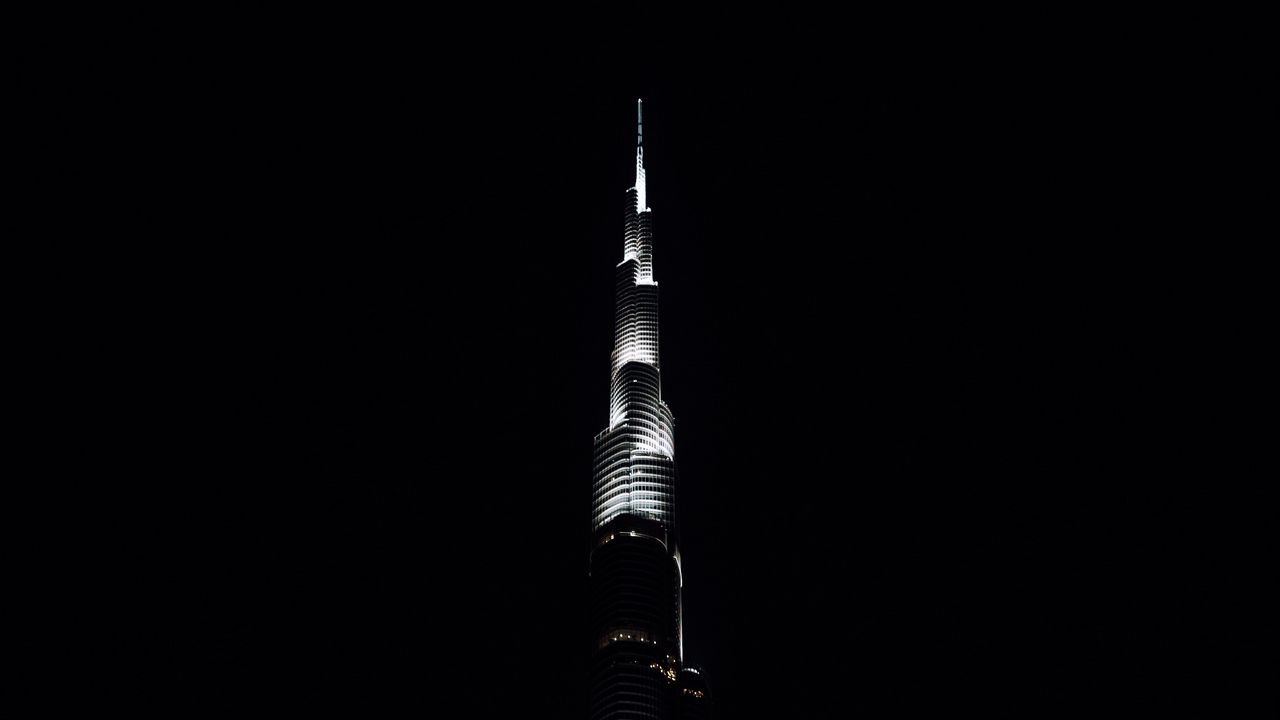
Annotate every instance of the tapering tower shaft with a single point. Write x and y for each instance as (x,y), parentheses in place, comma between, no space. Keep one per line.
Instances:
(635,455)
(635,561)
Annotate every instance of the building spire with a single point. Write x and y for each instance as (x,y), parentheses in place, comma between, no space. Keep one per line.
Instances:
(641,204)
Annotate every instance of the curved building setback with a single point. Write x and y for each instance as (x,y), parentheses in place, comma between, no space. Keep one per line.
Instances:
(637,669)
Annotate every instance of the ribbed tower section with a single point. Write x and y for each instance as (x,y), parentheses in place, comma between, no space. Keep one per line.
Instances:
(634,560)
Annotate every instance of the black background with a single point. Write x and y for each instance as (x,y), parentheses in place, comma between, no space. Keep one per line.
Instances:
(916,293)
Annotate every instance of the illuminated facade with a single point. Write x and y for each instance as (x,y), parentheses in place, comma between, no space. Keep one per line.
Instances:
(637,668)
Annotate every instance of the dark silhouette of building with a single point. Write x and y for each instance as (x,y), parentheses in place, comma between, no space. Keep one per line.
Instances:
(695,695)
(637,669)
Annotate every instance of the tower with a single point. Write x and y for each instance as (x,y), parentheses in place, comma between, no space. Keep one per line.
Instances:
(634,560)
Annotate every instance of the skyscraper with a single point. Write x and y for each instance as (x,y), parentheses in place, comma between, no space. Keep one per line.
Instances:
(637,669)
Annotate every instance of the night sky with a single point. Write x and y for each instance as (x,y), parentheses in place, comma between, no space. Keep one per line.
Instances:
(905,334)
